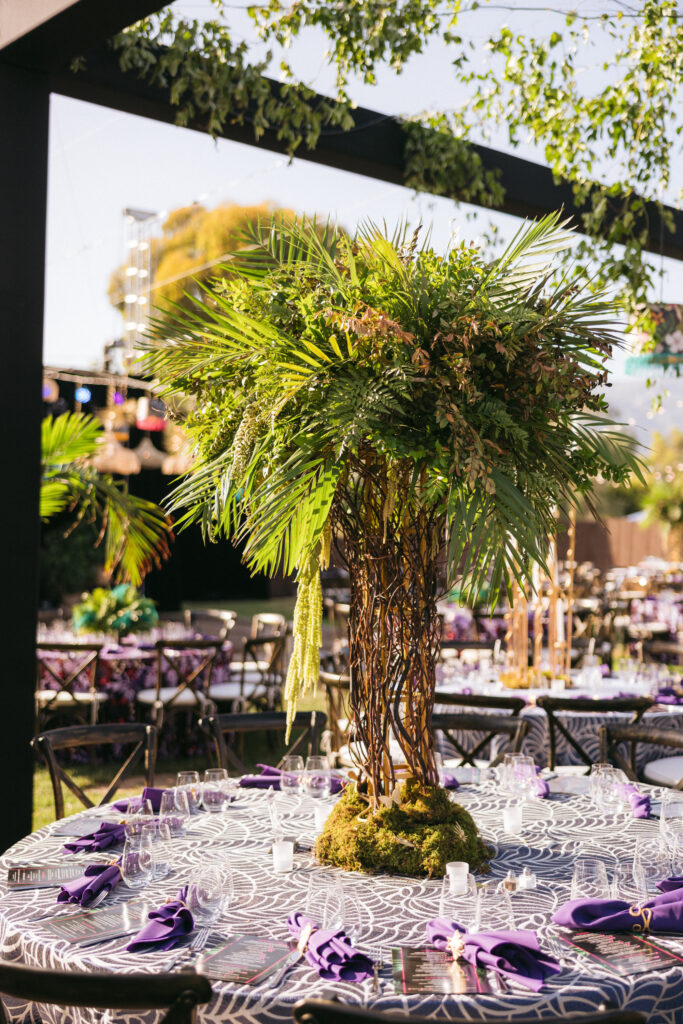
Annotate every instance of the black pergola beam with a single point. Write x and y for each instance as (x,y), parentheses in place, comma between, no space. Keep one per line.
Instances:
(374,147)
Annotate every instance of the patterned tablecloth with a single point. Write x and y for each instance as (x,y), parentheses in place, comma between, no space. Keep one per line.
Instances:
(555,832)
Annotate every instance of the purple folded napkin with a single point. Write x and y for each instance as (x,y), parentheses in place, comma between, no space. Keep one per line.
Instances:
(542,789)
(448,781)
(660,914)
(667,695)
(167,926)
(94,879)
(330,951)
(640,802)
(270,779)
(514,954)
(108,834)
(669,884)
(134,802)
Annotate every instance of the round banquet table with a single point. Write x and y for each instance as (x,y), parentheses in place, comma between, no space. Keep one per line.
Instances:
(555,832)
(584,726)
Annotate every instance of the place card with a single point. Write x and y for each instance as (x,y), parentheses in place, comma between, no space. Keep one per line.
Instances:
(42,876)
(621,953)
(77,828)
(245,959)
(86,927)
(434,970)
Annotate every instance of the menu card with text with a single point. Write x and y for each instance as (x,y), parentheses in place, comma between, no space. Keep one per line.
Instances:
(433,970)
(77,827)
(622,953)
(86,927)
(42,876)
(245,959)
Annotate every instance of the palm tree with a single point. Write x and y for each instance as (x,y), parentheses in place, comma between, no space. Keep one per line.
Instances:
(427,415)
(136,532)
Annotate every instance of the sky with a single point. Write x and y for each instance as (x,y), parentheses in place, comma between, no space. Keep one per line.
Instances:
(102,161)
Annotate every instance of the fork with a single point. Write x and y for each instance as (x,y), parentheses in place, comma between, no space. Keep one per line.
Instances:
(378,955)
(197,944)
(72,908)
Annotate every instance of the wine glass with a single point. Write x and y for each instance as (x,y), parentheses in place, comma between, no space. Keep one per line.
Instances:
(214,790)
(189,781)
(137,861)
(594,782)
(175,809)
(317,777)
(650,863)
(325,901)
(292,774)
(205,895)
(495,907)
(161,839)
(589,879)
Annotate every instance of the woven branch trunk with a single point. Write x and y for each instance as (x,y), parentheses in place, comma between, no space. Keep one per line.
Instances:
(393,638)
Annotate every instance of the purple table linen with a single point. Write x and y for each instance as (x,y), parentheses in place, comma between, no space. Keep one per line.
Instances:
(168,925)
(108,834)
(330,951)
(94,879)
(514,954)
(660,914)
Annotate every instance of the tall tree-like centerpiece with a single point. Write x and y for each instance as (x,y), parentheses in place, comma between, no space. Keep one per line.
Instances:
(427,416)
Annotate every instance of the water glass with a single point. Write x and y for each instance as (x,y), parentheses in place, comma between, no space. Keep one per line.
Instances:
(594,779)
(189,781)
(325,901)
(205,895)
(214,790)
(317,776)
(160,836)
(627,882)
(589,880)
(460,905)
(671,815)
(495,907)
(650,863)
(292,774)
(524,776)
(137,861)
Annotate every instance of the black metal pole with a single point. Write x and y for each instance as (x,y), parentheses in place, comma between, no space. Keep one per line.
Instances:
(24,124)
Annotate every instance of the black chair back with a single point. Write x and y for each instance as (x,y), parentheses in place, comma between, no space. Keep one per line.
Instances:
(613,736)
(320,1011)
(178,994)
(491,726)
(635,706)
(224,729)
(142,737)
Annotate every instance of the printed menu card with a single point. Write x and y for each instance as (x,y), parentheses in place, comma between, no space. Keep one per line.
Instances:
(86,927)
(42,876)
(622,953)
(245,959)
(433,970)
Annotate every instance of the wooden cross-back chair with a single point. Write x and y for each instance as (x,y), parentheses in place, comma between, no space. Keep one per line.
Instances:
(613,736)
(338,692)
(451,723)
(192,661)
(257,679)
(226,728)
(47,744)
(178,994)
(478,700)
(320,1011)
(70,666)
(635,706)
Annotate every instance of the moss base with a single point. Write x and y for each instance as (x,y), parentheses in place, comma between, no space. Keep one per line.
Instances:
(418,837)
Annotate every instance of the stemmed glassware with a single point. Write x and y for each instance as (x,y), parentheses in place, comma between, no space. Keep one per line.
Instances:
(175,809)
(189,781)
(205,894)
(137,861)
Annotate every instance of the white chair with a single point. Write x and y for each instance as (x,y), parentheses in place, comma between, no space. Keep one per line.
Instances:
(192,663)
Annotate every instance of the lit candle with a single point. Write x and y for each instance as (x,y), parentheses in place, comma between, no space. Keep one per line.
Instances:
(512,818)
(283,855)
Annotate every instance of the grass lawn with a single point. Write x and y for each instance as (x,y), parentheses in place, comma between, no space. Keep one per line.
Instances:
(95,780)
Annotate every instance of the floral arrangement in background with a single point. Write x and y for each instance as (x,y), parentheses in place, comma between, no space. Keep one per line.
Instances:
(120,610)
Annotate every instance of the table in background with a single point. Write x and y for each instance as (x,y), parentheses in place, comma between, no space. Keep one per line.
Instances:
(555,832)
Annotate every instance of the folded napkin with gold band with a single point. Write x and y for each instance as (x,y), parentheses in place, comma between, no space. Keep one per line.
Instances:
(514,954)
(168,925)
(94,879)
(660,914)
(329,950)
(108,834)
(133,803)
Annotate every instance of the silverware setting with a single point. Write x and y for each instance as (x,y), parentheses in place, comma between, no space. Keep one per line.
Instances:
(197,944)
(74,908)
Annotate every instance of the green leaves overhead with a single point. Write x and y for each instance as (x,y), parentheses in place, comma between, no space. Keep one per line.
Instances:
(471,387)
(136,532)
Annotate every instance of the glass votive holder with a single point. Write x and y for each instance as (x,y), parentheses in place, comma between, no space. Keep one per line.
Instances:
(457,872)
(283,855)
(557,685)
(321,813)
(512,818)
